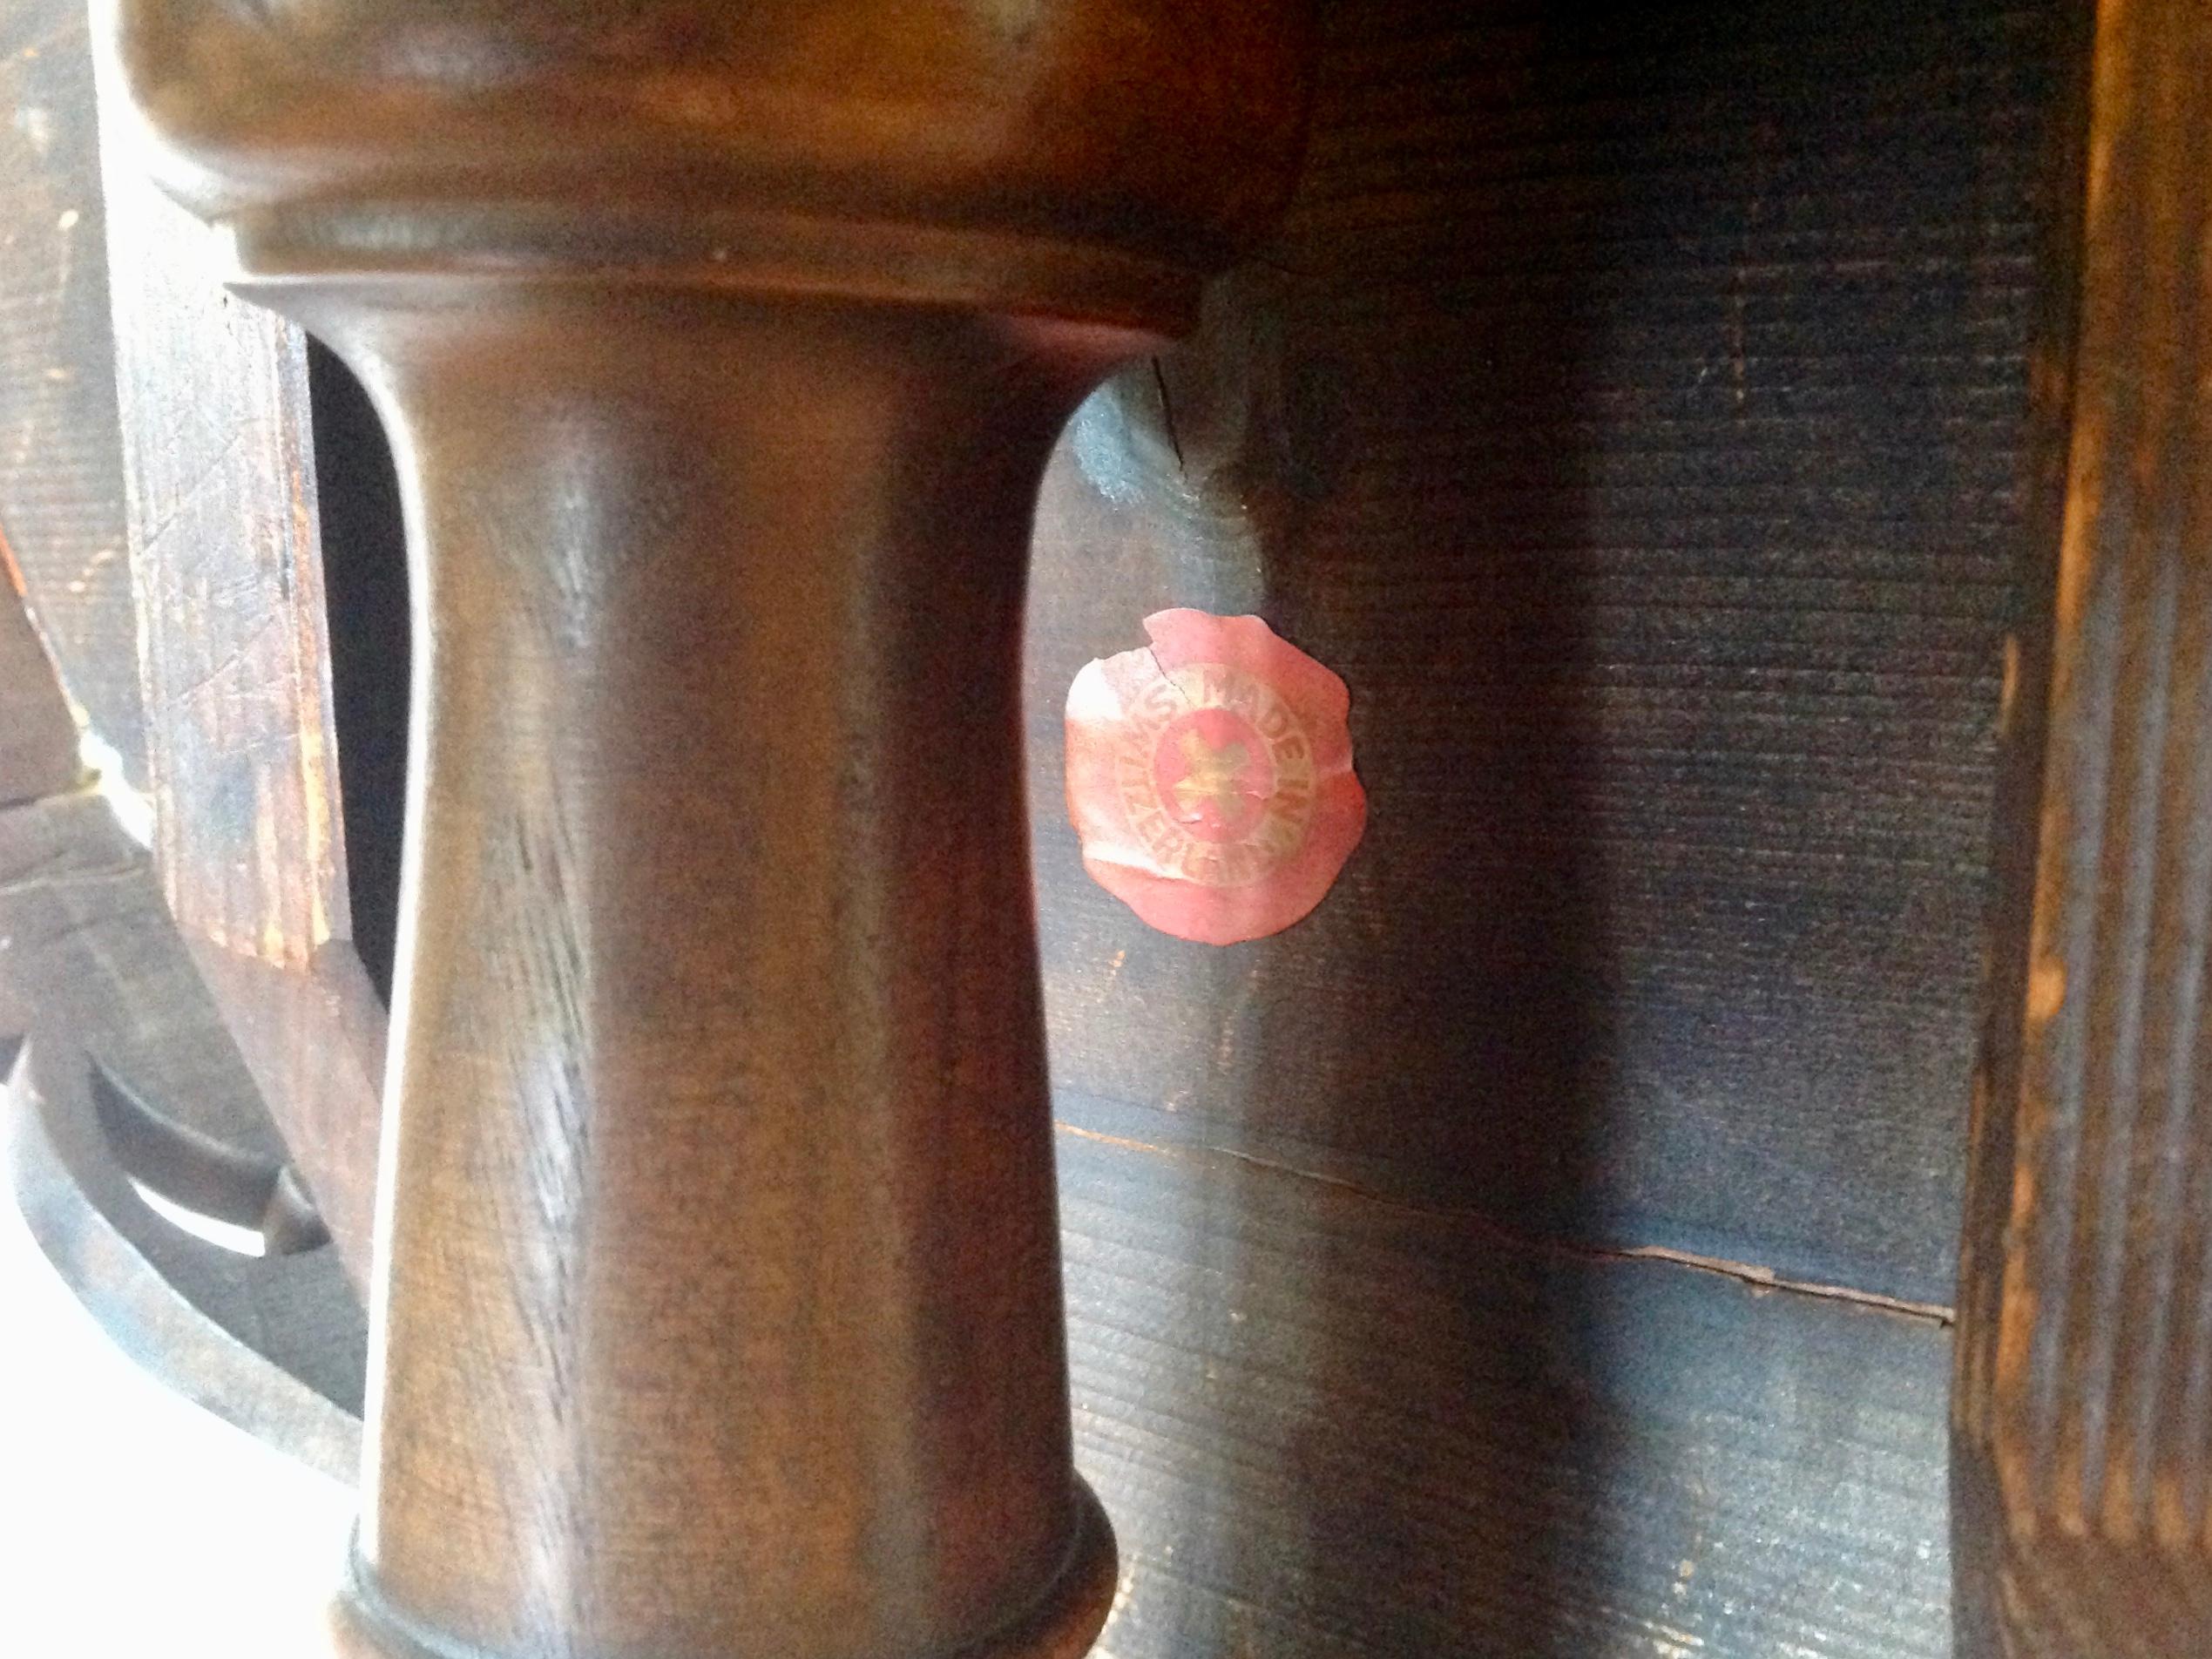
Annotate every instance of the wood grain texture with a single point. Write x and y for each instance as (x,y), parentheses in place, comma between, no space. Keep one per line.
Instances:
(132,1086)
(1336,1426)
(1631,411)
(1752,625)
(2084,1390)
(219,484)
(61,469)
(1331,1426)
(743,1307)
(717,1304)
(240,729)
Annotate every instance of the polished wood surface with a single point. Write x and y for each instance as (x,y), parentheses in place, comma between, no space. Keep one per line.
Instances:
(2083,1469)
(1069,157)
(1545,1250)
(718,882)
(715,1286)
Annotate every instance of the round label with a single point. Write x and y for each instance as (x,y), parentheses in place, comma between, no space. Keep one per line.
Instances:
(1210,778)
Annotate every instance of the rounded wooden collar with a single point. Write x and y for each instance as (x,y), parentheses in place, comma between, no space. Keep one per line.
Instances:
(1088,158)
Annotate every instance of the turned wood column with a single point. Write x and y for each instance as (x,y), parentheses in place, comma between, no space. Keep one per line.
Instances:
(716,1302)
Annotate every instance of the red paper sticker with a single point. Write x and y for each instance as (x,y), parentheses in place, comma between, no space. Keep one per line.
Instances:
(1209,777)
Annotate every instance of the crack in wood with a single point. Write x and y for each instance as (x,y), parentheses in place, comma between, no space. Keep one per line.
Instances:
(1751,1273)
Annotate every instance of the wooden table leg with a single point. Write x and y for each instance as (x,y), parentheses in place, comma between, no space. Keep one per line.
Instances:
(719,1298)
(716,1302)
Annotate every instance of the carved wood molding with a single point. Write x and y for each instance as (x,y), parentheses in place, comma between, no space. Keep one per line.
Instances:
(2083,1409)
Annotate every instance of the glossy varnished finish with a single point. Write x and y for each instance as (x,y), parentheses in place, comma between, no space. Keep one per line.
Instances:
(716,1306)
(736,1327)
(1049,154)
(1631,415)
(2082,1466)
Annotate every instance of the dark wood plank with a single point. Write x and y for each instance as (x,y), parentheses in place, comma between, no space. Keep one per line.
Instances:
(1676,690)
(1334,1424)
(61,477)
(2083,1443)
(1329,1425)
(84,925)
(1632,413)
(240,735)
(175,1304)
(218,464)
(133,1086)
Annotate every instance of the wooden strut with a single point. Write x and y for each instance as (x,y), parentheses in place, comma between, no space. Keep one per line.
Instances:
(2082,1409)
(715,1306)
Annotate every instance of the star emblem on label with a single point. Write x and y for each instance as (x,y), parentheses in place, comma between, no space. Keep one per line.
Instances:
(1209,777)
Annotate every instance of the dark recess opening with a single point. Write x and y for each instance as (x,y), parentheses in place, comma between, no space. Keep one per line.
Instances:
(364,573)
